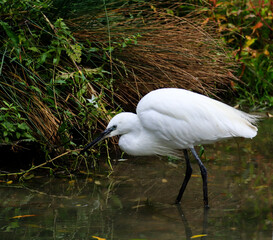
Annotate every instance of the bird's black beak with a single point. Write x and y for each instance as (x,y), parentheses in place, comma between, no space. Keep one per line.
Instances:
(99,138)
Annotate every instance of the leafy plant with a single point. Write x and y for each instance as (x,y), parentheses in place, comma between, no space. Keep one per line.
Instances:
(43,86)
(246,27)
(12,124)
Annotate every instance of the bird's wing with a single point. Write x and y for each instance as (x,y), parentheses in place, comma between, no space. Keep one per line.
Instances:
(187,119)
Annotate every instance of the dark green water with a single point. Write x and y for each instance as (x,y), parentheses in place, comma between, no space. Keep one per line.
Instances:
(135,201)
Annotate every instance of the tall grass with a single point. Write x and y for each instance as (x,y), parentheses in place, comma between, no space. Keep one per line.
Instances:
(61,79)
(42,82)
(152,47)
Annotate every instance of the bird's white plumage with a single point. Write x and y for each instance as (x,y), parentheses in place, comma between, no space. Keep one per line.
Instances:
(172,119)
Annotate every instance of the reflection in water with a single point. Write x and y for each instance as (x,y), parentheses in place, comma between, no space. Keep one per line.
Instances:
(188,230)
(135,201)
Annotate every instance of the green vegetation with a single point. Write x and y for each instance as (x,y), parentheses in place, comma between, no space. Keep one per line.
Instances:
(247,28)
(16,129)
(44,90)
(62,77)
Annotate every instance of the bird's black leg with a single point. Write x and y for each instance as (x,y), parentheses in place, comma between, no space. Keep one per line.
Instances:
(203,171)
(187,177)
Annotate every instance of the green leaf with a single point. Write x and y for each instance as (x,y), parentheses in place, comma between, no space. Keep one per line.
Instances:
(18,135)
(13,37)
(59,82)
(23,126)
(45,55)
(56,60)
(8,126)
(34,49)
(249,41)
(28,136)
(36,89)
(93,49)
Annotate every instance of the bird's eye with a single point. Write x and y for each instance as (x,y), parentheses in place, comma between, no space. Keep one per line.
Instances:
(114,127)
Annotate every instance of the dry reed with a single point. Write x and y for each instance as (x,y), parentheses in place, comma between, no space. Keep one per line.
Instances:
(171,52)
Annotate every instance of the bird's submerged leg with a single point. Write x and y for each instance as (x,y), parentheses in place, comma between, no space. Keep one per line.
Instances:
(203,171)
(187,177)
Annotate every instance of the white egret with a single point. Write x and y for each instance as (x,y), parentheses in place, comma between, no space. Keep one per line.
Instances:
(169,120)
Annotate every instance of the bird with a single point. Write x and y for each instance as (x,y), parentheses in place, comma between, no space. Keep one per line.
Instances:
(169,121)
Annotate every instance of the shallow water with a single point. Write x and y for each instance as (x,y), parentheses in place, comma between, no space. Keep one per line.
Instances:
(136,200)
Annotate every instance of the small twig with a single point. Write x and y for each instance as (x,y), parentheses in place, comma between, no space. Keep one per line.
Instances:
(2,62)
